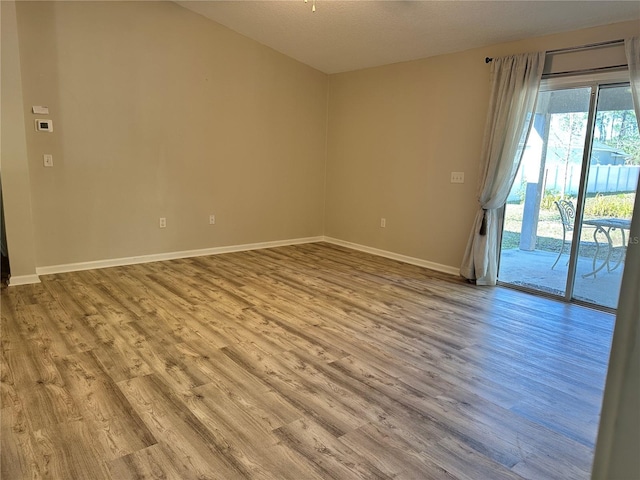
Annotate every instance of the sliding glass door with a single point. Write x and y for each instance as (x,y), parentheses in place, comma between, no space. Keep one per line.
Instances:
(568,214)
(611,183)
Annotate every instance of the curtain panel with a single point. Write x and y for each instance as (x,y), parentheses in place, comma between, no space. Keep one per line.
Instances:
(616,454)
(515,81)
(632,50)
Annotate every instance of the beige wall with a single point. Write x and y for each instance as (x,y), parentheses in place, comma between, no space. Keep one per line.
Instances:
(397,132)
(13,151)
(159,112)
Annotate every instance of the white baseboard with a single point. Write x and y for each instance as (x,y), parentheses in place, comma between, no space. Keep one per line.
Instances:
(395,256)
(118,262)
(23,280)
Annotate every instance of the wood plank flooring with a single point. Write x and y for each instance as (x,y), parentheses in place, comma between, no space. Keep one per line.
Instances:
(301,362)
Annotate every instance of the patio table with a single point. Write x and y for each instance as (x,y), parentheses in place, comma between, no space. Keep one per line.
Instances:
(604,226)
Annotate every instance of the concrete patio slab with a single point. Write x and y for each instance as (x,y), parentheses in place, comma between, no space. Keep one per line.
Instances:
(532,269)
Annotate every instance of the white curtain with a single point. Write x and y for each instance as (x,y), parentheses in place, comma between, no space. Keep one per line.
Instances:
(514,89)
(615,455)
(632,49)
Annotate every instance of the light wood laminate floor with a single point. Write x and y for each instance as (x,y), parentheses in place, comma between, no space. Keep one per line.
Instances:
(302,362)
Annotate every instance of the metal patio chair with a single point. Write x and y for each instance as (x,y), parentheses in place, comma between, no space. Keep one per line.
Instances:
(567,217)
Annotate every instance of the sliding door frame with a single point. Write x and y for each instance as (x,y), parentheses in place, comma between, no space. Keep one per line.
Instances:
(582,191)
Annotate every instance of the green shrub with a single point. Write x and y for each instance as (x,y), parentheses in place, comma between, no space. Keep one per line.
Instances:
(550,196)
(618,205)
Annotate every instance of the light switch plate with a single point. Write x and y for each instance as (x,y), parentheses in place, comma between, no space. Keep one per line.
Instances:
(47,160)
(40,110)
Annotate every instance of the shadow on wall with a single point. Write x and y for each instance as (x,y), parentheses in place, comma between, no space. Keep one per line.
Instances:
(5,269)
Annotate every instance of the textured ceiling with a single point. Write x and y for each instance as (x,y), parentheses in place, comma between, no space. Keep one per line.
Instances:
(350,35)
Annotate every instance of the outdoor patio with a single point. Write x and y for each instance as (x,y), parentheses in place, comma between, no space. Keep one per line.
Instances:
(532,269)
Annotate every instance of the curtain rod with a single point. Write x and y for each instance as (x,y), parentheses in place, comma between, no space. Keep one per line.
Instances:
(573,49)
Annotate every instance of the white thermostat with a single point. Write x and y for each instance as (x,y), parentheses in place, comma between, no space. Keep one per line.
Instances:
(44,125)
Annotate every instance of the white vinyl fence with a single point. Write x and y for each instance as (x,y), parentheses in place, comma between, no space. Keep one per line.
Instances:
(602,179)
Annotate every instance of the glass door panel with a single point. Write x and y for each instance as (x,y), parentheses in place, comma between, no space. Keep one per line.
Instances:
(611,184)
(536,241)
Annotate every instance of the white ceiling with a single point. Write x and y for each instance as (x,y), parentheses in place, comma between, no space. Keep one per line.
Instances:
(350,35)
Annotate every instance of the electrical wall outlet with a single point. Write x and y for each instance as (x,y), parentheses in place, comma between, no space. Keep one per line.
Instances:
(212,219)
(163,222)
(457,177)
(383,223)
(47,160)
